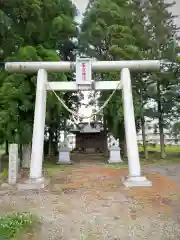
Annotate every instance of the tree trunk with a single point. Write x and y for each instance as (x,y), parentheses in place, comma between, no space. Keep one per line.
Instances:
(26,155)
(65,133)
(20,154)
(161,123)
(50,146)
(161,133)
(6,147)
(105,149)
(105,144)
(55,143)
(144,138)
(123,148)
(106,152)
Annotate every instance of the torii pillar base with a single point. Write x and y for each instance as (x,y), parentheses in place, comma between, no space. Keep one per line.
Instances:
(33,184)
(136,182)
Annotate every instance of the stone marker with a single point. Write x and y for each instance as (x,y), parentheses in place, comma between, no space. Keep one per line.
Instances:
(13,163)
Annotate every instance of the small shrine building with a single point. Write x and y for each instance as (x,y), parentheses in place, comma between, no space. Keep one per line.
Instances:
(90,137)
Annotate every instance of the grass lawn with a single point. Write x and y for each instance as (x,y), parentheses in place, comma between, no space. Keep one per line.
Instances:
(173,156)
(169,149)
(52,169)
(12,226)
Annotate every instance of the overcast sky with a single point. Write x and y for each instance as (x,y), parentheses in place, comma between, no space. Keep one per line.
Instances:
(176,11)
(81,5)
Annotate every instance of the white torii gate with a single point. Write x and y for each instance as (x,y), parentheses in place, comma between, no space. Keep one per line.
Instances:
(84,68)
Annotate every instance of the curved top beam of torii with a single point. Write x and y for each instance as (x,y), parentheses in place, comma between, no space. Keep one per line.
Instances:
(98,66)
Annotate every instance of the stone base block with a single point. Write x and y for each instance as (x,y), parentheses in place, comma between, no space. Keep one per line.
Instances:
(114,161)
(33,184)
(64,162)
(136,182)
(114,155)
(64,156)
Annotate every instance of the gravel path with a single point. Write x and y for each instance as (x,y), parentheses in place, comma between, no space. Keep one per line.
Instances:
(170,170)
(91,203)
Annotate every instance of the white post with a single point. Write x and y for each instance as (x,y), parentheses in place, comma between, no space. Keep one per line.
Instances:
(134,178)
(39,126)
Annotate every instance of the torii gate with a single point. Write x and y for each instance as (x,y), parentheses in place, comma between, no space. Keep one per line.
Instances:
(84,68)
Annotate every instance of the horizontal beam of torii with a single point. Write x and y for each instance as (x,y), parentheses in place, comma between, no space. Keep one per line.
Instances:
(97,66)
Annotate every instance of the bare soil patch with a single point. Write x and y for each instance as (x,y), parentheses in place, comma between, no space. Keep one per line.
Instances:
(89,202)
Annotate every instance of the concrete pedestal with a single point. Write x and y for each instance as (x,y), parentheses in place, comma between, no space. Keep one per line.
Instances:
(64,156)
(136,182)
(114,155)
(33,184)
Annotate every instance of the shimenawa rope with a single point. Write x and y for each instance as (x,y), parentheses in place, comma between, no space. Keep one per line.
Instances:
(82,116)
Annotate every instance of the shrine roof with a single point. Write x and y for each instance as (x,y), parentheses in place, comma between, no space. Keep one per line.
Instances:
(88,127)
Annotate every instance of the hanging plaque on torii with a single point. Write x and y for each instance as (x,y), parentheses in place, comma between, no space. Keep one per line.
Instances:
(83,73)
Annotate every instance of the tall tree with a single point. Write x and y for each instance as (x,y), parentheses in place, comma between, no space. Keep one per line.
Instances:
(33,31)
(115,30)
(163,37)
(106,34)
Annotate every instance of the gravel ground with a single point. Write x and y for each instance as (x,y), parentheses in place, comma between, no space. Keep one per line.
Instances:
(91,203)
(170,170)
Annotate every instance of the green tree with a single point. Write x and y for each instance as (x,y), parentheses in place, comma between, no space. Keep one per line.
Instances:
(162,40)
(33,31)
(106,34)
(125,30)
(17,95)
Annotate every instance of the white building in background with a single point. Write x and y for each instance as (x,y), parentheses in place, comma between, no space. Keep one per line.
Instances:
(153,137)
